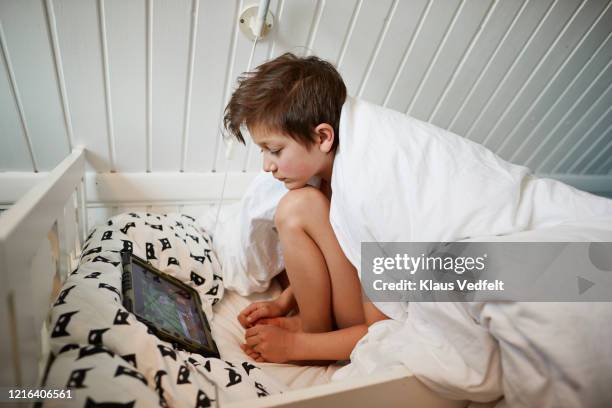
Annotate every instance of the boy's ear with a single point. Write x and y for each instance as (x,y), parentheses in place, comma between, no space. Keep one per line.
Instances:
(324,135)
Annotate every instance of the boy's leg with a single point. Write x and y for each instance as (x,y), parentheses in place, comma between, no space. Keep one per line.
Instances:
(325,284)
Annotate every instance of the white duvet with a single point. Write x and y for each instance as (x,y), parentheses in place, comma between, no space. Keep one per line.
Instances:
(399,179)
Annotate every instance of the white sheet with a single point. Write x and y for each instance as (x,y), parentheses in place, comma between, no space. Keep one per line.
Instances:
(245,240)
(398,179)
(552,354)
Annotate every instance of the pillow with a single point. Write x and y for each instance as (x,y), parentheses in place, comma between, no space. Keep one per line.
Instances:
(110,358)
(245,240)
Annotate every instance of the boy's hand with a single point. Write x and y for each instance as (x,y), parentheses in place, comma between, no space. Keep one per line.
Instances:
(258,310)
(269,343)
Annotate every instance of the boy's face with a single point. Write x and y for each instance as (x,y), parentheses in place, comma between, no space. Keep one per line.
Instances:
(289,161)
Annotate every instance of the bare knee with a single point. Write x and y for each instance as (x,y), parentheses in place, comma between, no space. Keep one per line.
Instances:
(299,207)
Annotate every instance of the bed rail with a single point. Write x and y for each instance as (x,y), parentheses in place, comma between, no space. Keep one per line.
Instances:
(40,238)
(395,388)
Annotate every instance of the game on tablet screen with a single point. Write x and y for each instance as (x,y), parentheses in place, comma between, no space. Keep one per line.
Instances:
(166,305)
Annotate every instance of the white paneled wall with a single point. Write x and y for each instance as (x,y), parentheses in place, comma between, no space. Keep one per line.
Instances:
(142,83)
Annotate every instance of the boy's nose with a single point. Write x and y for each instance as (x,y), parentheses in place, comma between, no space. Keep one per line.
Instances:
(269,166)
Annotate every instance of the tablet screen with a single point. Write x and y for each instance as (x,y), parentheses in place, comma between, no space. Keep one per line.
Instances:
(166,305)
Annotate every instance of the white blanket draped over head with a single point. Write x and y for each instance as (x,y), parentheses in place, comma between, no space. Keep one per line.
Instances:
(396,178)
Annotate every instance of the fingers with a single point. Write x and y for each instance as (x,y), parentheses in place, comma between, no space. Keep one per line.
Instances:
(250,314)
(242,316)
(251,353)
(265,320)
(252,331)
(258,313)
(252,341)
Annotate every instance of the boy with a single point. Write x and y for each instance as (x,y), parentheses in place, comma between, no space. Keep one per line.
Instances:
(292,107)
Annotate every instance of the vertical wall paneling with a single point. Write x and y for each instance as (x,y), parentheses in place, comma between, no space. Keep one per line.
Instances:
(605,166)
(367,29)
(591,137)
(220,142)
(35,81)
(107,93)
(171,27)
(59,70)
(498,65)
(240,47)
(314,28)
(448,57)
(546,70)
(212,55)
(464,58)
(381,38)
(349,33)
(520,138)
(15,154)
(558,138)
(293,27)
(127,71)
(189,85)
(434,58)
(407,53)
(394,46)
(538,42)
(149,86)
(79,44)
(336,16)
(17,100)
(538,139)
(596,165)
(488,45)
(142,84)
(593,153)
(426,41)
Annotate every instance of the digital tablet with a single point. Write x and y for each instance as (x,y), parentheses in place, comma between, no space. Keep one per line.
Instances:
(170,308)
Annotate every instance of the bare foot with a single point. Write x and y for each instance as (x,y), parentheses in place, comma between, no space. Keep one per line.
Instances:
(291,323)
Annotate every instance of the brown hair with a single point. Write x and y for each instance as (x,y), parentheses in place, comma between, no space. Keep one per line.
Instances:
(289,94)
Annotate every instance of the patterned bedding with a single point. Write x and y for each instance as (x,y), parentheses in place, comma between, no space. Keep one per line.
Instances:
(106,356)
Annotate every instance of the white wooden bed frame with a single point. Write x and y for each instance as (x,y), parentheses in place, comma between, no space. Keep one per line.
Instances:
(40,240)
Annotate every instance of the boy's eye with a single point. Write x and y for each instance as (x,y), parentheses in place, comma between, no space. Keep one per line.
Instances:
(273,152)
